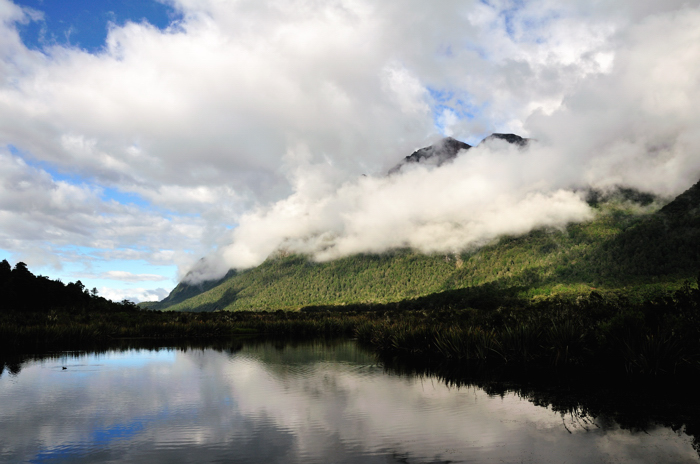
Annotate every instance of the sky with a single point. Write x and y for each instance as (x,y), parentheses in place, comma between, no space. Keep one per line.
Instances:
(138,137)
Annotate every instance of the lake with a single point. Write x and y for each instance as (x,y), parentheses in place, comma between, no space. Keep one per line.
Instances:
(274,402)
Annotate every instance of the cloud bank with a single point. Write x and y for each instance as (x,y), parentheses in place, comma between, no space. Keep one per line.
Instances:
(486,192)
(48,221)
(632,123)
(132,294)
(245,127)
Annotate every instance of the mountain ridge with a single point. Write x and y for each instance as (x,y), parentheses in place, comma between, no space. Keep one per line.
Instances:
(446,150)
(621,251)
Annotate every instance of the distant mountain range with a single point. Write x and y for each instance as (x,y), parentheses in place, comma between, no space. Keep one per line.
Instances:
(622,253)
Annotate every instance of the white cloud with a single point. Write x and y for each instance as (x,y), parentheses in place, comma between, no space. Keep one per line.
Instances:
(262,112)
(638,124)
(625,117)
(131,277)
(136,295)
(486,192)
(406,89)
(42,221)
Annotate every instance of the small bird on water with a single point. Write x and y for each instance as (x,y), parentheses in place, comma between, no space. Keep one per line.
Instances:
(64,368)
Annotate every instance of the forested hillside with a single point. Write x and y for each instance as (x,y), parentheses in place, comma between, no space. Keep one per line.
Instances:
(634,247)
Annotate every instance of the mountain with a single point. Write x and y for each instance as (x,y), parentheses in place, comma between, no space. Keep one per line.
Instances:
(510,138)
(437,154)
(664,243)
(447,149)
(184,291)
(636,247)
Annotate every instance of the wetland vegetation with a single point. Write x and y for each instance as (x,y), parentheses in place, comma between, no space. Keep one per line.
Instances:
(599,360)
(655,337)
(615,294)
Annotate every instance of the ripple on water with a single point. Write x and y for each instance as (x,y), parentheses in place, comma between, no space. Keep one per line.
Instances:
(273,403)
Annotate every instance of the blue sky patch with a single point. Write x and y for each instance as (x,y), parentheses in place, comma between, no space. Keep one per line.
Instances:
(125,198)
(92,269)
(84,23)
(107,193)
(6,255)
(508,18)
(133,359)
(446,100)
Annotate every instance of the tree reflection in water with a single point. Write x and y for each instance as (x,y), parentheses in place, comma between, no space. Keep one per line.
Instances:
(320,400)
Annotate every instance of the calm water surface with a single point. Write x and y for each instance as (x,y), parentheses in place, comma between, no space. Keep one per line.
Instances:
(292,404)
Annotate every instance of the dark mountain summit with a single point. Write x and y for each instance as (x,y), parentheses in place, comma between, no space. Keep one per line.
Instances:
(510,138)
(443,150)
(436,154)
(447,149)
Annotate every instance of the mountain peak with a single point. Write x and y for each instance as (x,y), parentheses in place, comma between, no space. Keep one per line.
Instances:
(436,154)
(510,138)
(446,149)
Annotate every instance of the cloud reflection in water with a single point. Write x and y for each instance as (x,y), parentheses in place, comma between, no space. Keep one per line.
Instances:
(306,403)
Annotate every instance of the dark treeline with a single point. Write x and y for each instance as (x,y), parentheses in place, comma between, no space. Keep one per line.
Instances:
(20,290)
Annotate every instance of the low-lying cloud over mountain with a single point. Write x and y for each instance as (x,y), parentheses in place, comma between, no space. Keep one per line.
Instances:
(631,123)
(210,136)
(494,189)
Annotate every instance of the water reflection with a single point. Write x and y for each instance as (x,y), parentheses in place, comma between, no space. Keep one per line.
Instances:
(270,402)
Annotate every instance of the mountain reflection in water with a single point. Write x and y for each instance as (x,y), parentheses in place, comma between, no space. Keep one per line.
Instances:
(310,402)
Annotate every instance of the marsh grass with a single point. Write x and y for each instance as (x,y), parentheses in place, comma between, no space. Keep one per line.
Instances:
(659,337)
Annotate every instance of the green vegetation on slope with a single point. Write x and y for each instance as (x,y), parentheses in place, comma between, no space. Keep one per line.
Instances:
(630,249)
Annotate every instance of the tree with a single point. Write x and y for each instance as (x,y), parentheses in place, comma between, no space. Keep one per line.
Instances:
(5,270)
(22,269)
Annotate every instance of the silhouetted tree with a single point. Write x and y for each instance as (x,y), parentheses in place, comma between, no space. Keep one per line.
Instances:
(22,269)
(5,270)
(21,290)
